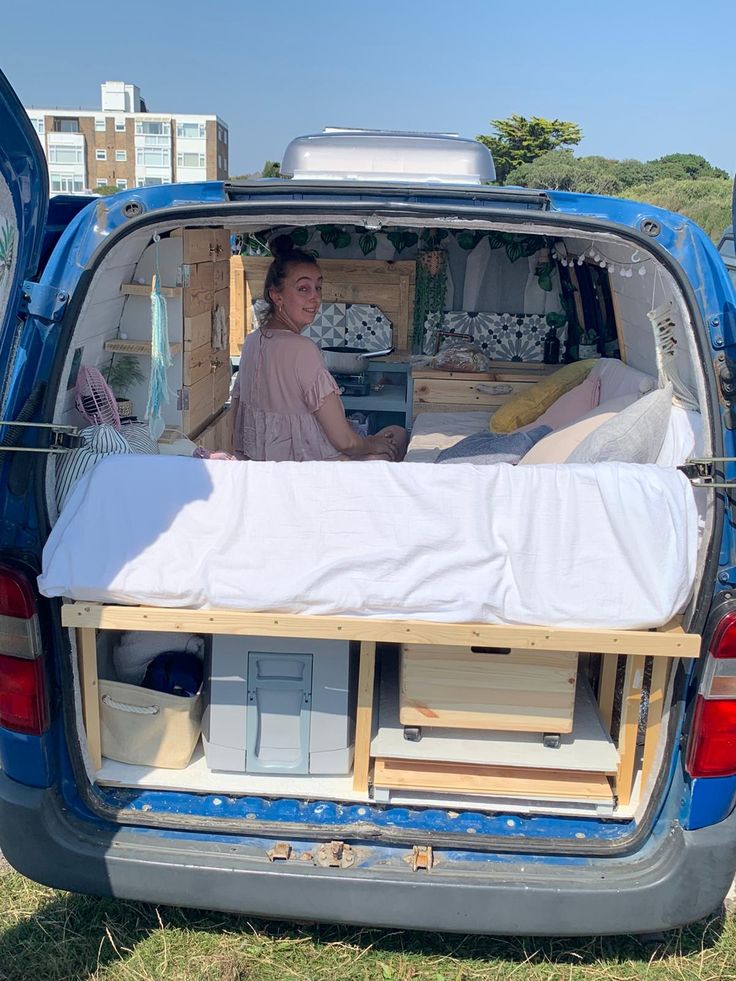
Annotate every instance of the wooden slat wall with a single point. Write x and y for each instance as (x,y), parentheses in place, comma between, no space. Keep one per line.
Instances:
(390,285)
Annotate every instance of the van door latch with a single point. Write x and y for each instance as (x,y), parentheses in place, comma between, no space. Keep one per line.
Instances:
(703,473)
(60,439)
(44,302)
(421,858)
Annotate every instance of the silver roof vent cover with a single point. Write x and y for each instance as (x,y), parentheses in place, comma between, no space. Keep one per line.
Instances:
(385,156)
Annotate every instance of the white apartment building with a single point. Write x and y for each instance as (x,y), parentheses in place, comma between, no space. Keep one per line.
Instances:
(123,145)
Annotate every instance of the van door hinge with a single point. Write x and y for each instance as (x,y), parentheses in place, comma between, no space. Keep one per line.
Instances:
(703,473)
(281,852)
(44,302)
(182,399)
(421,858)
(334,855)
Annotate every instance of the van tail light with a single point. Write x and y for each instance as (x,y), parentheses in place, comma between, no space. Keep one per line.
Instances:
(712,746)
(23,700)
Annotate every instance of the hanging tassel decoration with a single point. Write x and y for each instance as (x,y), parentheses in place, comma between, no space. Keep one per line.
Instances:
(158,389)
(663,323)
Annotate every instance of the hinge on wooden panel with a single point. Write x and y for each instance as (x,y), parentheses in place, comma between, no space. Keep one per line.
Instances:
(702,473)
(182,399)
(334,855)
(421,858)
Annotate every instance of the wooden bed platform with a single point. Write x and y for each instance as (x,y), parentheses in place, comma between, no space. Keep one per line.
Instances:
(665,646)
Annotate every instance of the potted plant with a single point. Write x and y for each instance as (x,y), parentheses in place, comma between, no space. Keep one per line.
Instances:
(121,372)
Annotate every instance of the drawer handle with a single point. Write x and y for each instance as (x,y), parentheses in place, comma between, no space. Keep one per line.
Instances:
(490,650)
(488,389)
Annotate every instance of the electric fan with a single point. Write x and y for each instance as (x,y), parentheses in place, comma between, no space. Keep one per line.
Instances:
(94,399)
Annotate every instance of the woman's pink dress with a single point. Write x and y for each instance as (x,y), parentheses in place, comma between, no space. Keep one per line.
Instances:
(281,383)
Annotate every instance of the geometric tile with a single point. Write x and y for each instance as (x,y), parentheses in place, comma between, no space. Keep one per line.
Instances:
(328,327)
(501,336)
(368,327)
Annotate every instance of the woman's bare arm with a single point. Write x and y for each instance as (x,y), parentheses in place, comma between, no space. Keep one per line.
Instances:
(331,417)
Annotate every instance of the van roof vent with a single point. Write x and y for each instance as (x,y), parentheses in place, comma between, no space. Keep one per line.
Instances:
(388,156)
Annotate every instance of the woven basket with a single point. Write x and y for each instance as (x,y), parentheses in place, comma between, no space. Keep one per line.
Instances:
(125,408)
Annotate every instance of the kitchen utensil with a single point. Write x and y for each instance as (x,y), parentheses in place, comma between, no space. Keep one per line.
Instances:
(349,360)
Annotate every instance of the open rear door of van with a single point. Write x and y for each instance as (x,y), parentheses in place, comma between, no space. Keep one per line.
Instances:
(24,197)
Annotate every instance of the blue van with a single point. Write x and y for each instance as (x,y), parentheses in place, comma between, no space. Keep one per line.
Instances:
(617,817)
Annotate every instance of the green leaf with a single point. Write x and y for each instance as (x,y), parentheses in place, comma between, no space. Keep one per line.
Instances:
(514,250)
(329,234)
(556,320)
(367,243)
(467,240)
(300,236)
(342,240)
(496,240)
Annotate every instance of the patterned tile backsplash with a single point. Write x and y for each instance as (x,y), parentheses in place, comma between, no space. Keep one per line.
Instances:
(353,324)
(501,336)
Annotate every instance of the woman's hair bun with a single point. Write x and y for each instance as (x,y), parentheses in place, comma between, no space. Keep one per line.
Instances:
(281,245)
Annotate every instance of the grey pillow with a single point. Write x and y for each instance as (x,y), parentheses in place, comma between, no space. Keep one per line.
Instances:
(634,435)
(487,447)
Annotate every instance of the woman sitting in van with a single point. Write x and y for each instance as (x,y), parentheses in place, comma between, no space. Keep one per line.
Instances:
(287,404)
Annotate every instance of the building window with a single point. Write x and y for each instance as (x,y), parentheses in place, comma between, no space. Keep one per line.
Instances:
(153,157)
(65,153)
(190,160)
(99,124)
(121,155)
(224,137)
(66,183)
(155,141)
(38,124)
(190,131)
(100,154)
(122,185)
(120,124)
(150,181)
(152,128)
(66,125)
(101,182)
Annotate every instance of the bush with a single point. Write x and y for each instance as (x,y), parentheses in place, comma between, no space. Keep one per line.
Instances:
(706,201)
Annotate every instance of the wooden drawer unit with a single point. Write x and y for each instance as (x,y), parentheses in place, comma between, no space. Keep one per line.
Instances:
(487,688)
(457,391)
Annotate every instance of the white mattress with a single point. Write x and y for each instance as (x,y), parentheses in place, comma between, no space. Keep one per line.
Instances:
(612,545)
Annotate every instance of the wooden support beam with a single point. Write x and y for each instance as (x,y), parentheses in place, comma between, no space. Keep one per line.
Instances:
(655,710)
(670,641)
(607,689)
(364,715)
(628,730)
(87,662)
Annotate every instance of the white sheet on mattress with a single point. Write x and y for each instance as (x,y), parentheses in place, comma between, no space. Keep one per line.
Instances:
(610,545)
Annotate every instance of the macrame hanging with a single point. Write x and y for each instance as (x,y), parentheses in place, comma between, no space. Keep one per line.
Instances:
(94,398)
(158,387)
(663,323)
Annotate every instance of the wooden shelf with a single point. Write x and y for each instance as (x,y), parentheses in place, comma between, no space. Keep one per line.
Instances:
(143,289)
(119,346)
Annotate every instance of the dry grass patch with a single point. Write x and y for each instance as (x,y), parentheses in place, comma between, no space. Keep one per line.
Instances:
(51,935)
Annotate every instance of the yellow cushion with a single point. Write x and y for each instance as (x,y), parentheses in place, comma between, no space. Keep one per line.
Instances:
(528,405)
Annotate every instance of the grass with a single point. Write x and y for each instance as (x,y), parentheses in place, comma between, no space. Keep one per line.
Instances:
(49,935)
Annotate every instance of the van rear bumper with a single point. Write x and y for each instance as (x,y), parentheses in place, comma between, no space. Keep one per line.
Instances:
(677,877)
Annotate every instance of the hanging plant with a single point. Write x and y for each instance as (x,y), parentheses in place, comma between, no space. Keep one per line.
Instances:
(402,240)
(543,272)
(429,293)
(300,237)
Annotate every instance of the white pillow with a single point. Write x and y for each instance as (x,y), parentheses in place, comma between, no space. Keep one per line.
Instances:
(634,435)
(557,447)
(683,439)
(618,378)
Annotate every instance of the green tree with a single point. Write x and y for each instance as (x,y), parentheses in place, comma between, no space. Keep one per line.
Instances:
(560,170)
(519,140)
(106,189)
(271,168)
(684,166)
(706,200)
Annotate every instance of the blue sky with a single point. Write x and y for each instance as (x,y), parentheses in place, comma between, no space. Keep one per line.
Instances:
(642,78)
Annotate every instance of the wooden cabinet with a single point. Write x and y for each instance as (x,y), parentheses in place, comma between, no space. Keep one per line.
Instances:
(457,391)
(487,688)
(194,274)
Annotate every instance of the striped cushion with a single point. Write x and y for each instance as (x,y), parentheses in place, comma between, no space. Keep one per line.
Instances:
(138,438)
(99,442)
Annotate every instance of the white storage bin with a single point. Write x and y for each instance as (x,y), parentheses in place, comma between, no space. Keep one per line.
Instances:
(146,727)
